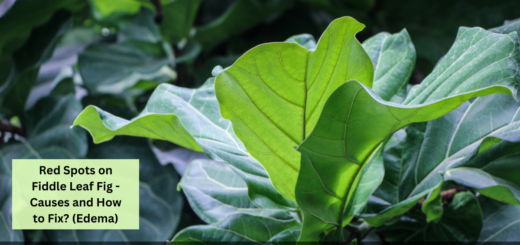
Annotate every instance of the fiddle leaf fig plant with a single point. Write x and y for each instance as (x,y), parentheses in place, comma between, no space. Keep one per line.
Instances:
(304,134)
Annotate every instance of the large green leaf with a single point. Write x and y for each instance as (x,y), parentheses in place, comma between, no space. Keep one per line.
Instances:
(49,137)
(139,54)
(236,228)
(494,172)
(160,205)
(238,18)
(461,224)
(393,57)
(448,142)
(274,94)
(215,191)
(23,65)
(347,134)
(190,118)
(501,221)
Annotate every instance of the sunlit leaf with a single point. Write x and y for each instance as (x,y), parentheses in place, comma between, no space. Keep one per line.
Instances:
(355,121)
(274,94)
(189,118)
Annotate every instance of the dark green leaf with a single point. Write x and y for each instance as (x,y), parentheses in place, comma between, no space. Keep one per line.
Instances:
(236,228)
(461,224)
(49,137)
(178,19)
(25,63)
(493,173)
(138,55)
(238,18)
(501,221)
(16,26)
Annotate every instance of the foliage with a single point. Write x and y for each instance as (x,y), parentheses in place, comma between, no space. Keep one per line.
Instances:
(304,140)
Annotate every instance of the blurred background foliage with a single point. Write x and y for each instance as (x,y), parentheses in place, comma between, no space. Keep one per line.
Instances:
(59,56)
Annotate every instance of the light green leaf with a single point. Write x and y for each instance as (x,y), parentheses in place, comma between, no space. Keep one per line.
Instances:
(501,221)
(103,9)
(189,118)
(443,144)
(238,18)
(393,57)
(493,173)
(274,94)
(432,206)
(235,228)
(23,65)
(461,223)
(215,191)
(178,19)
(160,205)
